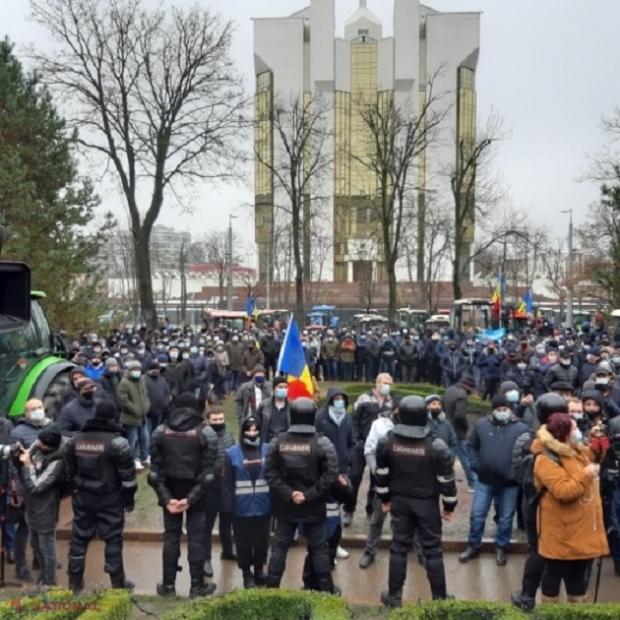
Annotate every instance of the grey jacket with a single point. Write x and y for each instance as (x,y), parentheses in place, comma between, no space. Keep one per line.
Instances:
(245,400)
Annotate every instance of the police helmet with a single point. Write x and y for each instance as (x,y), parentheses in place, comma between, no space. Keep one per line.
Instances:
(303,411)
(549,404)
(412,411)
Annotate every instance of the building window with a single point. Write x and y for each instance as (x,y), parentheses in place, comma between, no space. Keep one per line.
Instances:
(362,32)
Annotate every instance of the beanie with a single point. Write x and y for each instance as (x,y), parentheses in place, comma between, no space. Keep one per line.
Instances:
(51,436)
(279,381)
(111,362)
(105,410)
(187,401)
(499,400)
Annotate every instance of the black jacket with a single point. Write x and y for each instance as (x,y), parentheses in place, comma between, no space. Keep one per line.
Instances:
(313,510)
(159,395)
(73,416)
(341,436)
(224,441)
(455,408)
(557,372)
(166,488)
(367,410)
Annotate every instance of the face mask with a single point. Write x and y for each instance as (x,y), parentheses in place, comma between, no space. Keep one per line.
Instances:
(260,380)
(565,362)
(185,356)
(592,415)
(385,390)
(281,393)
(193,350)
(218,427)
(576,437)
(88,395)
(339,405)
(136,374)
(616,360)
(37,415)
(141,351)
(235,339)
(578,416)
(540,351)
(96,364)
(512,396)
(330,339)
(97,350)
(501,416)
(435,412)
(160,347)
(521,366)
(162,366)
(601,381)
(251,440)
(452,348)
(174,356)
(124,351)
(154,373)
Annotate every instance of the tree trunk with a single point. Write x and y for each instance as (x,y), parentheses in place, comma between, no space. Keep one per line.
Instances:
(391,274)
(145,283)
(456,276)
(220,283)
(299,268)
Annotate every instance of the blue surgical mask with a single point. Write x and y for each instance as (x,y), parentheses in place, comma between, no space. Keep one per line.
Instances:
(385,389)
(136,374)
(512,396)
(576,437)
(259,380)
(281,392)
(501,416)
(616,360)
(338,404)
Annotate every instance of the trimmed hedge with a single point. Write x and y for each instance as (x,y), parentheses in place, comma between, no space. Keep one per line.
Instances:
(355,390)
(265,605)
(111,605)
(473,610)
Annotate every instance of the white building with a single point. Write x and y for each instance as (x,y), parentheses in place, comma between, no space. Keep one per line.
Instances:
(300,58)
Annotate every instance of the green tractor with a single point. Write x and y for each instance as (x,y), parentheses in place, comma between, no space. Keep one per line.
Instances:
(30,362)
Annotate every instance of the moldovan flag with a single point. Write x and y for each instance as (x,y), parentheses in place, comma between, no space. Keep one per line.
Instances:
(292,363)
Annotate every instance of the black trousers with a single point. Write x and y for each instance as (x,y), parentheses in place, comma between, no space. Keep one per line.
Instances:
(356,473)
(103,515)
(251,540)
(309,577)
(173,526)
(535,563)
(317,548)
(571,572)
(408,516)
(490,388)
(212,503)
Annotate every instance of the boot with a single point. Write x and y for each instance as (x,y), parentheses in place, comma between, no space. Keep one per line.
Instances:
(392,599)
(166,589)
(578,599)
(23,574)
(260,578)
(522,601)
(35,563)
(273,581)
(469,554)
(199,588)
(208,568)
(76,573)
(10,556)
(248,579)
(549,600)
(120,582)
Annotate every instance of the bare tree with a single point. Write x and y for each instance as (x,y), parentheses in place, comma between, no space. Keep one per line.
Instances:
(301,158)
(397,135)
(367,255)
(213,248)
(476,190)
(321,246)
(122,269)
(155,92)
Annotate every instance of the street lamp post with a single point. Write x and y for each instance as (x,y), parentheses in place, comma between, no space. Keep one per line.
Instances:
(230,262)
(569,272)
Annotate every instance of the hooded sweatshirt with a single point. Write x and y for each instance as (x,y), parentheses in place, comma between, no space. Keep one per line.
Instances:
(340,434)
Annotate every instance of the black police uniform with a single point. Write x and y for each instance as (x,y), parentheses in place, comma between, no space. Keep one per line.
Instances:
(184,455)
(534,566)
(415,467)
(300,460)
(102,470)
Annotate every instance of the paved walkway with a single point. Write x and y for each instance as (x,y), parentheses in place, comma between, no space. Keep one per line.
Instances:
(480,579)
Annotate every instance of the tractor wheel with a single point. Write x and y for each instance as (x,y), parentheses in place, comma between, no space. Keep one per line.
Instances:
(54,396)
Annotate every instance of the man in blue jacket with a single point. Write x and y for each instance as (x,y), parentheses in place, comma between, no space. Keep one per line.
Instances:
(490,457)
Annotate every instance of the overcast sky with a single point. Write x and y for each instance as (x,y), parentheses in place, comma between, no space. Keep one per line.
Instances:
(550,69)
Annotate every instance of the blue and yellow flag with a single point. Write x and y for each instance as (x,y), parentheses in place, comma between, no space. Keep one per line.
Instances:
(292,363)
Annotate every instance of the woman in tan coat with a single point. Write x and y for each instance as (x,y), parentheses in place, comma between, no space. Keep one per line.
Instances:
(570,515)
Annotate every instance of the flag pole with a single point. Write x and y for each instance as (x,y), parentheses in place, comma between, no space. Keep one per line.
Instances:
(282,347)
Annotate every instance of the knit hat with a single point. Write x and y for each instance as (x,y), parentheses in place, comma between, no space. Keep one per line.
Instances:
(499,400)
(432,399)
(468,382)
(162,358)
(250,421)
(258,368)
(105,410)
(85,383)
(279,381)
(154,365)
(133,364)
(187,401)
(111,362)
(50,436)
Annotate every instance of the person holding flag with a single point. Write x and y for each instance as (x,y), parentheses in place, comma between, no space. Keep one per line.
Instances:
(292,363)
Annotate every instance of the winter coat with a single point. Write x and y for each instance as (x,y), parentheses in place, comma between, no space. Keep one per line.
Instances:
(341,436)
(570,514)
(490,448)
(266,412)
(251,358)
(444,430)
(408,353)
(182,378)
(235,355)
(200,367)
(453,364)
(245,399)
(330,349)
(366,410)
(40,484)
(110,381)
(489,366)
(225,440)
(158,392)
(270,347)
(134,400)
(455,408)
(25,432)
(557,372)
(74,415)
(347,351)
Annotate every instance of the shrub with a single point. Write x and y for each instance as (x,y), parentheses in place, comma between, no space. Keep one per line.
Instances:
(457,610)
(576,612)
(265,604)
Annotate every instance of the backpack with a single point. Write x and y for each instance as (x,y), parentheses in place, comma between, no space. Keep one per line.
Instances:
(530,492)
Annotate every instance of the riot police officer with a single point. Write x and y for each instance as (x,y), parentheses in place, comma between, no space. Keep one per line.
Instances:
(103,473)
(546,405)
(184,455)
(415,467)
(301,467)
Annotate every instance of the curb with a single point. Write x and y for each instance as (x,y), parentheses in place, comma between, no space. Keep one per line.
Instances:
(352,541)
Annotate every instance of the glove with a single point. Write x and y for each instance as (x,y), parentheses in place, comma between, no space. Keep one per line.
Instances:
(129,500)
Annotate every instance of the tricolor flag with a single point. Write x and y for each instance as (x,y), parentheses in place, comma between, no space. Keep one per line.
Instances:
(292,363)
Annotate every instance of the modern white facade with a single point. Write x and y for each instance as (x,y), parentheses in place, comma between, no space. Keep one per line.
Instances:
(300,58)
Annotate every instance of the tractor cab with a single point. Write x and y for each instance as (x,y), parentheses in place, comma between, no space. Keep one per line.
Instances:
(471,315)
(322,317)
